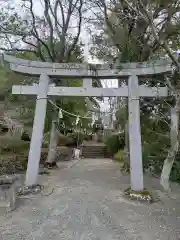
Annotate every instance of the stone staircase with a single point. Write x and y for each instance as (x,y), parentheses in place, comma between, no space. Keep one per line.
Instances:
(94,150)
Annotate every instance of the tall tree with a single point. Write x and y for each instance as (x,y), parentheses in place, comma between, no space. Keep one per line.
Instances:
(129,34)
(145,11)
(140,31)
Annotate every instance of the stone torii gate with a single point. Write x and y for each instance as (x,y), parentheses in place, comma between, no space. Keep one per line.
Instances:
(44,89)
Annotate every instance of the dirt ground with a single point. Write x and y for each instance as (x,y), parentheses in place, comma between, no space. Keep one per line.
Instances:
(85,200)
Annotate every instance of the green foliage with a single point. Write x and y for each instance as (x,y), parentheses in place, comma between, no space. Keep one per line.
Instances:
(155,143)
(175,173)
(13,154)
(121,116)
(78,137)
(114,143)
(119,156)
(12,144)
(72,139)
(75,105)
(123,35)
(154,156)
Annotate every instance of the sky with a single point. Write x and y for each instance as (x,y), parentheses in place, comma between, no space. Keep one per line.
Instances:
(38,9)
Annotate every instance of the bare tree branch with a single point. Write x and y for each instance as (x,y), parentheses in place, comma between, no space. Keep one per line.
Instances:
(51,29)
(35,32)
(76,38)
(54,35)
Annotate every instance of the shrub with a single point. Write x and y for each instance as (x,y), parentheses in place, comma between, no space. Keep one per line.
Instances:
(115,142)
(119,156)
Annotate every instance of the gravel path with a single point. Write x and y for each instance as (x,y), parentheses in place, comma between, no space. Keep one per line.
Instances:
(88,204)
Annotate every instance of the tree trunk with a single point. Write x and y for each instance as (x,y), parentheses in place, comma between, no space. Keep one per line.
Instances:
(168,163)
(126,149)
(52,145)
(127,142)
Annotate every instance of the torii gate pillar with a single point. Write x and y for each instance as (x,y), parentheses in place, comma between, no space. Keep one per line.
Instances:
(136,166)
(38,130)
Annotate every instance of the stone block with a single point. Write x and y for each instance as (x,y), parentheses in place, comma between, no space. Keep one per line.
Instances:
(8,191)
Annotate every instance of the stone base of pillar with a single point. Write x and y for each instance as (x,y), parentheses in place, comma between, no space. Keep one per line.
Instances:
(52,165)
(142,196)
(34,189)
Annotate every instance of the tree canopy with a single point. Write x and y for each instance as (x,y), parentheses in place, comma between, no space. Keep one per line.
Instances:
(126,33)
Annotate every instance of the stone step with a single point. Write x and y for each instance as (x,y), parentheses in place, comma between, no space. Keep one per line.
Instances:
(94,151)
(95,146)
(93,156)
(96,156)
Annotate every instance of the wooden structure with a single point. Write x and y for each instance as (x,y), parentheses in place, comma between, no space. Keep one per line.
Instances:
(133,91)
